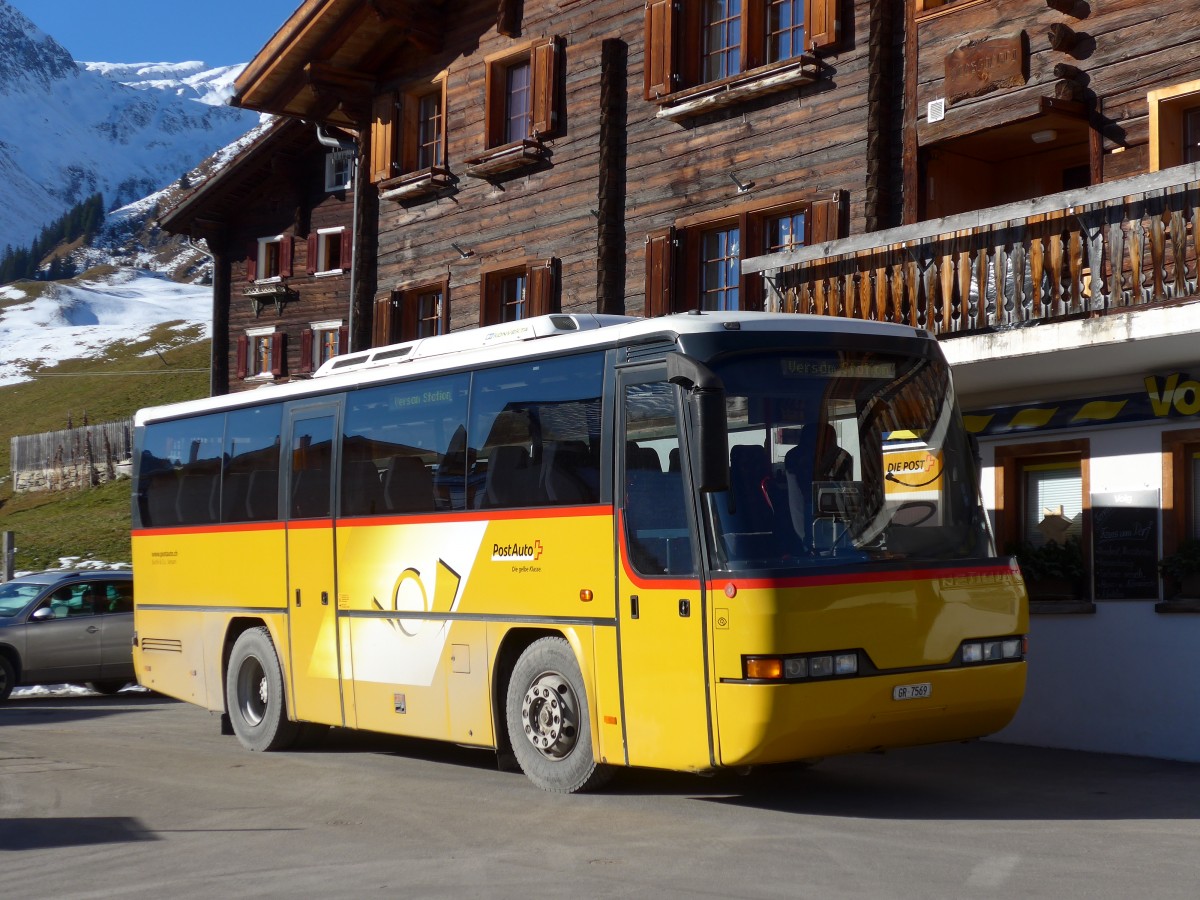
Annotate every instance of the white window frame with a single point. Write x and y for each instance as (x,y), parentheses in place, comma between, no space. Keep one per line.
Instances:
(263,243)
(324,236)
(333,161)
(252,336)
(318,329)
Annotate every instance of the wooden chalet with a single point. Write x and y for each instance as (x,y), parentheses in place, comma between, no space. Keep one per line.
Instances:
(278,221)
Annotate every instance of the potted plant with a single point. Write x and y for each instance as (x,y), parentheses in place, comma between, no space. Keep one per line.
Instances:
(1182,569)
(1052,571)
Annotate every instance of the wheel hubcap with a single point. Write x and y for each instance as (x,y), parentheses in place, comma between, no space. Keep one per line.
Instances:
(549,715)
(252,691)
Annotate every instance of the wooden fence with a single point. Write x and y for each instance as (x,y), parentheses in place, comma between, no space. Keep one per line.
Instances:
(75,457)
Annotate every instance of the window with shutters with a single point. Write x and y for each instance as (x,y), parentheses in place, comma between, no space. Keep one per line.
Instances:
(696,264)
(329,251)
(271,260)
(261,354)
(408,140)
(522,108)
(411,313)
(519,292)
(746,48)
(321,342)
(1043,497)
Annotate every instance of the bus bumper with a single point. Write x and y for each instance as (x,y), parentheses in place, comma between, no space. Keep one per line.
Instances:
(771,723)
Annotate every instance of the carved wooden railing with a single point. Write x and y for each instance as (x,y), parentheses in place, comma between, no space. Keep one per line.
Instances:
(1098,250)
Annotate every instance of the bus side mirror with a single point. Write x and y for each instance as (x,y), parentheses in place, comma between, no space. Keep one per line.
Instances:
(706,400)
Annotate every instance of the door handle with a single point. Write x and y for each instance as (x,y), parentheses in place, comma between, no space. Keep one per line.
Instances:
(685,608)
(324,598)
(297,596)
(633,607)
(92,629)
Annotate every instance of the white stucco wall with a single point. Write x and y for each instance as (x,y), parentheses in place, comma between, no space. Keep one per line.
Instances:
(1125,679)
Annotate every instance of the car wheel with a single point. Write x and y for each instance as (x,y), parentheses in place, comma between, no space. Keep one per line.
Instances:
(549,725)
(8,678)
(254,694)
(107,687)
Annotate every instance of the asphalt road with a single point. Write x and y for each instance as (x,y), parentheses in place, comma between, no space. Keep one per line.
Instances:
(139,796)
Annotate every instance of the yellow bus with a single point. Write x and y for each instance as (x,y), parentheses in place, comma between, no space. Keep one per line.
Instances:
(703,541)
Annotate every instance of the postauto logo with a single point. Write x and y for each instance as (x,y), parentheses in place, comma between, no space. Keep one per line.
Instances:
(517,552)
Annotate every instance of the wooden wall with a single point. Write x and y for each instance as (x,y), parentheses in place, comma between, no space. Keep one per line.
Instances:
(1122,49)
(286,197)
(807,142)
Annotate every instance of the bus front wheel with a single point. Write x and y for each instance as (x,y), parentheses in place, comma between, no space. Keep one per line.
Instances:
(254,694)
(548,722)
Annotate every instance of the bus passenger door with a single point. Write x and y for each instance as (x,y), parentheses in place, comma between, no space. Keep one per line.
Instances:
(661,604)
(312,577)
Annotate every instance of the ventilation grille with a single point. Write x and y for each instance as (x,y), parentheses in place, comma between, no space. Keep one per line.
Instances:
(162,645)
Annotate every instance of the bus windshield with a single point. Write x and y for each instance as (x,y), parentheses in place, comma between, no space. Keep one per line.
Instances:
(839,456)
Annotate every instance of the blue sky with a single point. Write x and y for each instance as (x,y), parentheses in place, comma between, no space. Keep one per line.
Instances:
(217,32)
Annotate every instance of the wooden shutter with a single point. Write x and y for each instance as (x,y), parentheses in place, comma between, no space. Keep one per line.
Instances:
(243,355)
(660,48)
(543,69)
(278,353)
(825,220)
(751,293)
(660,275)
(383,136)
(347,248)
(821,24)
(381,327)
(312,253)
(285,256)
(543,296)
(306,351)
(343,339)
(252,262)
(409,314)
(410,106)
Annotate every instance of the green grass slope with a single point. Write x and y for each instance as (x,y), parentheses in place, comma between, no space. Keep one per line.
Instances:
(91,523)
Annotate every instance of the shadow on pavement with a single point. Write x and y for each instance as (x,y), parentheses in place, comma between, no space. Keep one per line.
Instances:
(30,709)
(41,834)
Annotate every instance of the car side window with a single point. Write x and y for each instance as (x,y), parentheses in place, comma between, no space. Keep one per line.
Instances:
(75,600)
(118,597)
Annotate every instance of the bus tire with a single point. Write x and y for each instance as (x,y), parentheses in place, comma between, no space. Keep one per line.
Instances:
(549,725)
(254,694)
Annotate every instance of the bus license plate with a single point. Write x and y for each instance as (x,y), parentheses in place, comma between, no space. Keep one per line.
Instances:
(912,691)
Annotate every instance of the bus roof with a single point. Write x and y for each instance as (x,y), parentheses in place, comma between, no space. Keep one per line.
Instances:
(514,341)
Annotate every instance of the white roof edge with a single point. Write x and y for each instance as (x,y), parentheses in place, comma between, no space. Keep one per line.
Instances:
(469,346)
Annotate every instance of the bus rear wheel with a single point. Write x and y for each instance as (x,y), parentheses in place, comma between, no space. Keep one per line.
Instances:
(254,694)
(549,725)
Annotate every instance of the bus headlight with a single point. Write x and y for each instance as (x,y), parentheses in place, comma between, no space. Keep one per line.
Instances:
(993,650)
(796,668)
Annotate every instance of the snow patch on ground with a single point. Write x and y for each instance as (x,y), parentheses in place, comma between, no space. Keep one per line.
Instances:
(74,320)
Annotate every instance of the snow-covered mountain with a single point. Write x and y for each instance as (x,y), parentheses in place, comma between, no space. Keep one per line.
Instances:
(68,129)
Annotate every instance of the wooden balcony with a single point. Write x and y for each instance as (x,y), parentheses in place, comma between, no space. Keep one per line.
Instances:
(1104,249)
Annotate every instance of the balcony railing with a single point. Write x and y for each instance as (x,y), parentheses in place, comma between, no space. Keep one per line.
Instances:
(1103,249)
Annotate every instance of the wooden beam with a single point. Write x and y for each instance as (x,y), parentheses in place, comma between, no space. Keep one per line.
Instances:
(413,20)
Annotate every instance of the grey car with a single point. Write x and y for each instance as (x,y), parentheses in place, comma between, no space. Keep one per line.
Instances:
(67,627)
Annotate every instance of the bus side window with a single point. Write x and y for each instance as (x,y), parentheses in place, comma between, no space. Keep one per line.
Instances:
(655,503)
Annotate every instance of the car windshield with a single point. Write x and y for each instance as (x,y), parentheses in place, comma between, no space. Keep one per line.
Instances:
(16,595)
(842,456)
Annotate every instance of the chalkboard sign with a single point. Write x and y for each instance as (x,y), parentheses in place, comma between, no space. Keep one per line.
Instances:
(1125,545)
